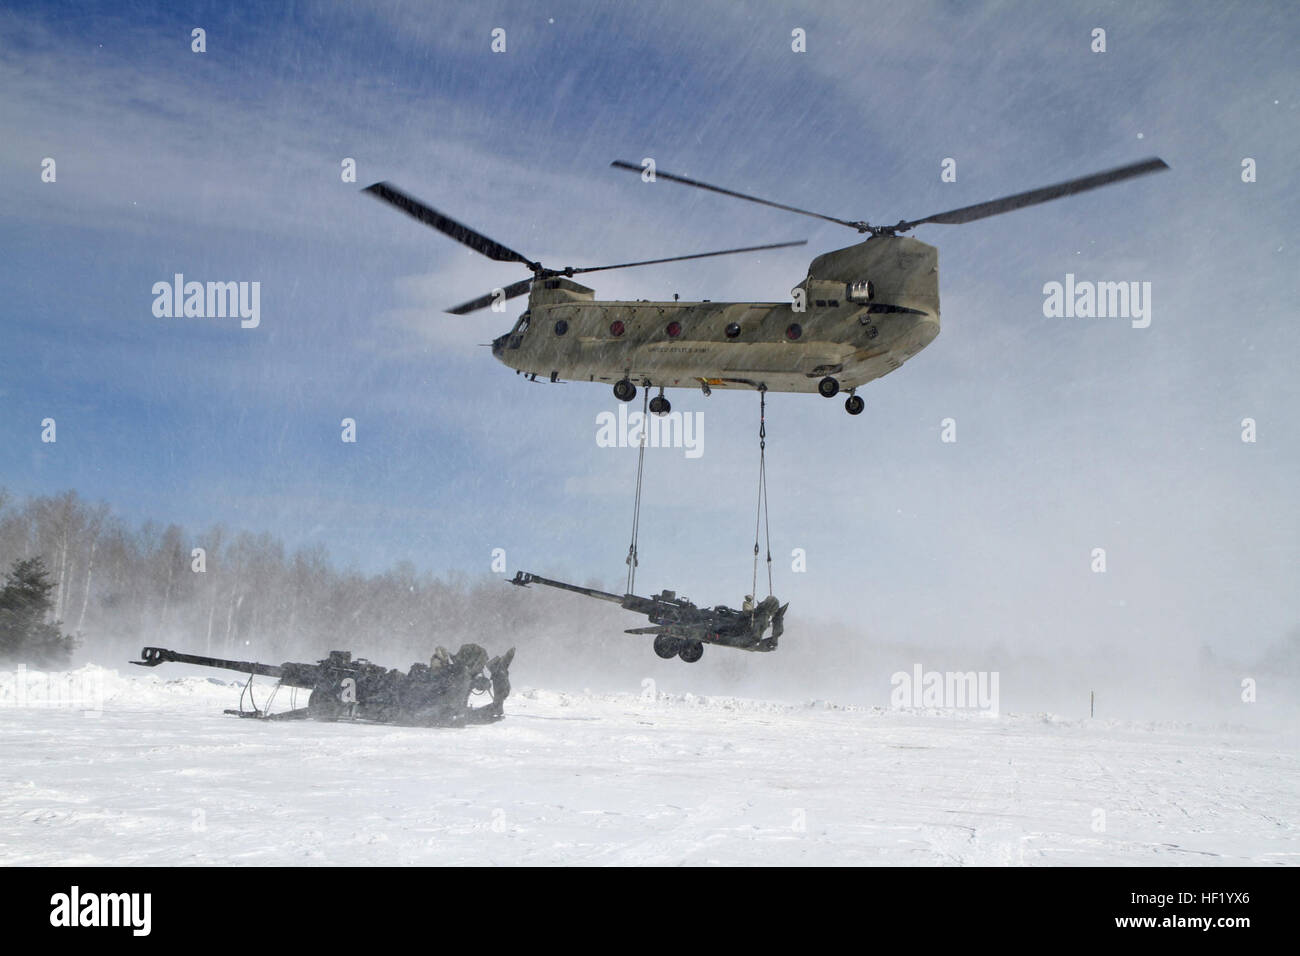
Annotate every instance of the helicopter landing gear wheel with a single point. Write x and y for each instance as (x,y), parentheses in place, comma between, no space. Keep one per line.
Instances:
(660,405)
(691,651)
(854,405)
(667,647)
(828,387)
(624,390)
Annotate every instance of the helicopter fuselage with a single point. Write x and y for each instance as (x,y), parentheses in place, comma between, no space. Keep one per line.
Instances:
(860,313)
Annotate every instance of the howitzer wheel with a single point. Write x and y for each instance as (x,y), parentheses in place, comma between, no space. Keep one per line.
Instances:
(667,647)
(691,651)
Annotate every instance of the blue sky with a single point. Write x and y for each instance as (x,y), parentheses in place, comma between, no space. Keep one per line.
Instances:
(1072,434)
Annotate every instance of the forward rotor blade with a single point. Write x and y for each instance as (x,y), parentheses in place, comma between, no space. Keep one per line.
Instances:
(1033,197)
(446,225)
(660,174)
(698,255)
(483,301)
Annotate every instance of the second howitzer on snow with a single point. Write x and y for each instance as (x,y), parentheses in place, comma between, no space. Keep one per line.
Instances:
(436,694)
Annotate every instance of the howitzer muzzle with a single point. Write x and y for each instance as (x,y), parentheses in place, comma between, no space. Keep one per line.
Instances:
(153,656)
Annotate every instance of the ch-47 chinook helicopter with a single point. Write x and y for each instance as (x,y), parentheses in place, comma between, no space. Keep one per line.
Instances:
(860,313)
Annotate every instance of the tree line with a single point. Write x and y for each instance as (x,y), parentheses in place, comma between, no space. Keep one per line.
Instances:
(114,588)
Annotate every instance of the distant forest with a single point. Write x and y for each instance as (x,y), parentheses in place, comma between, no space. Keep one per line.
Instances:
(119,587)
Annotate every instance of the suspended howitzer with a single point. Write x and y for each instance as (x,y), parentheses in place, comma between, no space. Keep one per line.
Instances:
(427,695)
(681,629)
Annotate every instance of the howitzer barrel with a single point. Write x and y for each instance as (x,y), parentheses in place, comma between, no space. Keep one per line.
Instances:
(525,578)
(153,656)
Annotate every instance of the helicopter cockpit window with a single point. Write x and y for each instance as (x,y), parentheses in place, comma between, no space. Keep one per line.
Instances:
(516,337)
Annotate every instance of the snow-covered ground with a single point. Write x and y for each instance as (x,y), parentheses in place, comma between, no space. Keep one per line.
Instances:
(161,776)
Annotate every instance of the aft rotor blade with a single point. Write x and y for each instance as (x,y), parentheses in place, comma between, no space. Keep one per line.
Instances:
(483,301)
(446,225)
(1033,197)
(698,255)
(660,174)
